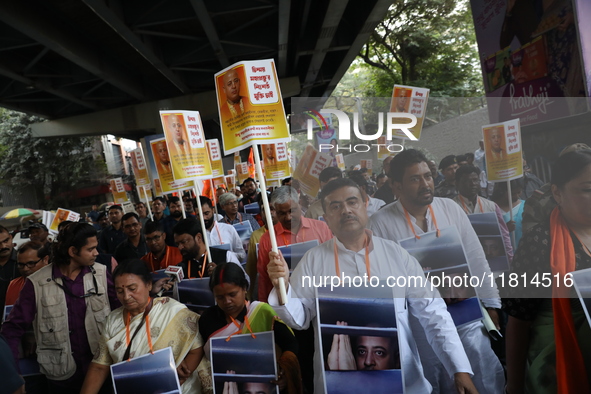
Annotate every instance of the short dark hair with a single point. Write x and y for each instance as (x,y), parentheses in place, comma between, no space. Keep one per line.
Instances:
(130,215)
(469,156)
(29,245)
(4,230)
(501,188)
(402,161)
(100,216)
(189,226)
(359,180)
(336,184)
(285,181)
(205,201)
(460,158)
(363,170)
(161,199)
(249,179)
(381,176)
(230,273)
(173,200)
(75,235)
(466,170)
(140,203)
(152,226)
(328,173)
(134,267)
(569,166)
(119,207)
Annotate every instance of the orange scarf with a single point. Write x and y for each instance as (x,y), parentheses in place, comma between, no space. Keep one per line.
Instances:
(571,376)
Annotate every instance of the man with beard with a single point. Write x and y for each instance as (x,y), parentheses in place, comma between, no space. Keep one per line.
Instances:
(291,229)
(417,212)
(8,265)
(134,246)
(221,233)
(355,252)
(176,214)
(249,193)
(188,235)
(160,254)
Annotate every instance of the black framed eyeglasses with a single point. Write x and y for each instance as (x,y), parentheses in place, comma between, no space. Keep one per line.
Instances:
(91,292)
(29,264)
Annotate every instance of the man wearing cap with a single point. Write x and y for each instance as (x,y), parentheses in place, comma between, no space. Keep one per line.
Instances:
(31,258)
(38,233)
(447,188)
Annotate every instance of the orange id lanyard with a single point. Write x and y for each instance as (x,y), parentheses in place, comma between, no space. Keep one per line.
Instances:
(202,268)
(466,208)
(336,256)
(413,228)
(148,333)
(219,235)
(303,238)
(153,257)
(240,328)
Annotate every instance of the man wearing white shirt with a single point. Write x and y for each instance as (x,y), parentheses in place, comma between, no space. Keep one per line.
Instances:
(417,212)
(346,215)
(220,233)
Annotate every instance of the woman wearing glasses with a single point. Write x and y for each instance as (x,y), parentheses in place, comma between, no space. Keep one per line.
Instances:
(66,303)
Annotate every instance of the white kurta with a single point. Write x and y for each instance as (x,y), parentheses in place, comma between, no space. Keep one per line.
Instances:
(374,205)
(391,224)
(229,235)
(386,258)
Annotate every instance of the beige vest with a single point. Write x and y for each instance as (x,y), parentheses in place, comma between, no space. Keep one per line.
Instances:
(54,352)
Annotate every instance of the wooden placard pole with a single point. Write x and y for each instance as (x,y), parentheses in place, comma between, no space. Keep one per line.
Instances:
(200,209)
(259,171)
(510,197)
(148,203)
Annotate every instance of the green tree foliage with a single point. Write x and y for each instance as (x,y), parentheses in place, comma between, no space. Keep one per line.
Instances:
(428,43)
(52,166)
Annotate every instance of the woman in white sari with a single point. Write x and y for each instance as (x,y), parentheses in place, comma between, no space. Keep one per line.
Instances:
(143,325)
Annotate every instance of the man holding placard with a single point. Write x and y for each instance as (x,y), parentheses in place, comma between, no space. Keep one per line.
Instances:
(292,228)
(357,252)
(418,212)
